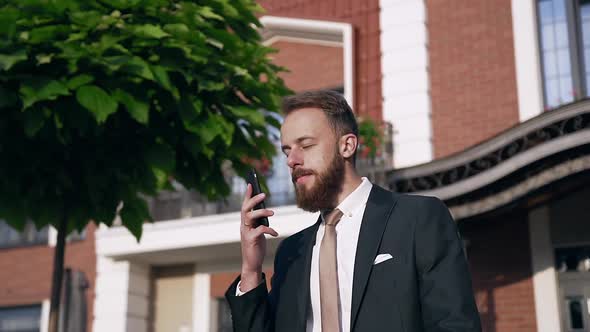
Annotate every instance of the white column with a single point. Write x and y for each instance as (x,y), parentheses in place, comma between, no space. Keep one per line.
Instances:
(405,82)
(527,59)
(544,277)
(201,301)
(122,296)
(45,306)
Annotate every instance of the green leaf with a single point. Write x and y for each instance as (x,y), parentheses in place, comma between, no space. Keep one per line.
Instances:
(178,29)
(211,86)
(227,128)
(49,33)
(97,101)
(7,98)
(161,76)
(79,80)
(207,12)
(189,112)
(133,215)
(8,18)
(139,110)
(34,119)
(123,4)
(161,178)
(9,60)
(253,116)
(88,19)
(161,156)
(41,89)
(149,31)
(208,131)
(139,67)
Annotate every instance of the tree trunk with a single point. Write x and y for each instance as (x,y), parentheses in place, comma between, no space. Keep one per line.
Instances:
(58,268)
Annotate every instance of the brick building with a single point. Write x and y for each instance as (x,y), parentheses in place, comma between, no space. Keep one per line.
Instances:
(488,104)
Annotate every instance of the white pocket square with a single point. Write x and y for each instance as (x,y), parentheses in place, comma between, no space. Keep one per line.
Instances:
(382,258)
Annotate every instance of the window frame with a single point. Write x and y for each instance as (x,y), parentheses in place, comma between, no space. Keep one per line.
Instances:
(38,306)
(576,55)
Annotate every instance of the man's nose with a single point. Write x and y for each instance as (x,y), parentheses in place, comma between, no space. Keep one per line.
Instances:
(294,159)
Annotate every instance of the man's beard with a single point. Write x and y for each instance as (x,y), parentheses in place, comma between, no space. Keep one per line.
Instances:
(324,192)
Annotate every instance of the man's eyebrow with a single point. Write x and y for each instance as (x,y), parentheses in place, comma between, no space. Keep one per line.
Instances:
(298,140)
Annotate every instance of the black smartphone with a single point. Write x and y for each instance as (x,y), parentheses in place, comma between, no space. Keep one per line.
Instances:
(252,179)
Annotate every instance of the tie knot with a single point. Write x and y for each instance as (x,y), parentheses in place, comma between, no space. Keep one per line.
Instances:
(333,217)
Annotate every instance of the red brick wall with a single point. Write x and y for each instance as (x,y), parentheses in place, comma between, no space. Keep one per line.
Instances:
(500,261)
(25,273)
(472,72)
(221,281)
(311,67)
(364,17)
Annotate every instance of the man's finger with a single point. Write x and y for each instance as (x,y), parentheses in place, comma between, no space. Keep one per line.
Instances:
(256,214)
(268,230)
(260,230)
(247,194)
(250,204)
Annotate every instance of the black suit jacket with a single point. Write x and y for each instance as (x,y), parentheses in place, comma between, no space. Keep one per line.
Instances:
(425,287)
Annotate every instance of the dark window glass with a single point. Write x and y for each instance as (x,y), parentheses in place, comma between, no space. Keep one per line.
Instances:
(576,311)
(572,259)
(20,319)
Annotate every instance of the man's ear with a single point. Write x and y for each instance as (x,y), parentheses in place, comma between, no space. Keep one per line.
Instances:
(347,145)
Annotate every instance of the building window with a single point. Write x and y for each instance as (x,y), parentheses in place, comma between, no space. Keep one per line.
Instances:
(572,259)
(575,308)
(9,237)
(564,32)
(20,319)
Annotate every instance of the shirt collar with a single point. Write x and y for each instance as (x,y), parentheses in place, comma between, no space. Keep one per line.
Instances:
(356,199)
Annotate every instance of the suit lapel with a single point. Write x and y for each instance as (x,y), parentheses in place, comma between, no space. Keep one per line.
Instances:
(377,212)
(301,271)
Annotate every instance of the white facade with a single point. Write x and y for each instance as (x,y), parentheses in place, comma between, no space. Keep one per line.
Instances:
(405,81)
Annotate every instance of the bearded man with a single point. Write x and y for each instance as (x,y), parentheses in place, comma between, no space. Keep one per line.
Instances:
(374,261)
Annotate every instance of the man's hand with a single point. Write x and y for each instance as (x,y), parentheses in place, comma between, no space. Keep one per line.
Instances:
(253,240)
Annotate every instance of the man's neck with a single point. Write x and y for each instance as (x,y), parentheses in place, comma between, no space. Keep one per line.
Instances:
(351,181)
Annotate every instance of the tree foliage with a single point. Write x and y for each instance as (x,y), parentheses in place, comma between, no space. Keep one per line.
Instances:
(107,101)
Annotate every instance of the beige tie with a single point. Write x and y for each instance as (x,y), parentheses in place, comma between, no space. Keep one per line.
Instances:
(329,275)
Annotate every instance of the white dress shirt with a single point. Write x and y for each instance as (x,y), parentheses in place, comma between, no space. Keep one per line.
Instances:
(347,235)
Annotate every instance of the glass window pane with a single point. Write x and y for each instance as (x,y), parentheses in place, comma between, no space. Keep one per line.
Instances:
(586,32)
(585,9)
(546,11)
(561,36)
(550,64)
(566,92)
(559,10)
(563,62)
(547,37)
(575,309)
(20,319)
(552,92)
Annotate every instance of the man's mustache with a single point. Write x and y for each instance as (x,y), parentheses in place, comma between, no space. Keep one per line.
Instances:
(300,172)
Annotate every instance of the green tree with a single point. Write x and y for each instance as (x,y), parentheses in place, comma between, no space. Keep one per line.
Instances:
(104,102)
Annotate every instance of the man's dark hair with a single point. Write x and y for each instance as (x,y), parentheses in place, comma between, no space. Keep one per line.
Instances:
(337,110)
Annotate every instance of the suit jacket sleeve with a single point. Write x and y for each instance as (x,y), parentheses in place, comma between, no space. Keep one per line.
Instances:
(446,294)
(254,310)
